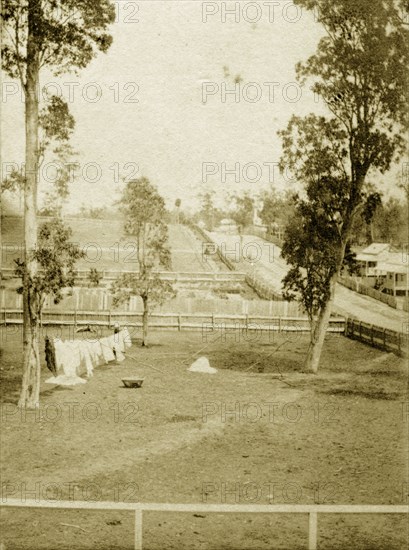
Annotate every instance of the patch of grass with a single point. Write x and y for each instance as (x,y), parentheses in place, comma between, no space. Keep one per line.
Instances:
(380,394)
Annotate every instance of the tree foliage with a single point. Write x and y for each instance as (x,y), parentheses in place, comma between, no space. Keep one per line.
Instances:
(277,209)
(56,126)
(208,213)
(68,34)
(360,71)
(242,209)
(311,247)
(56,257)
(62,36)
(145,211)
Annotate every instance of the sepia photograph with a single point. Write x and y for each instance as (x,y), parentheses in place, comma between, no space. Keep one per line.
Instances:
(204,275)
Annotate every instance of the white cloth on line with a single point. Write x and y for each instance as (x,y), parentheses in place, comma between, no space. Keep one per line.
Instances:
(107,349)
(119,355)
(127,337)
(86,360)
(68,364)
(115,342)
(119,344)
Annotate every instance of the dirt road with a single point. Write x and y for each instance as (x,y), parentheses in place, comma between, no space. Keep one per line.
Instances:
(264,260)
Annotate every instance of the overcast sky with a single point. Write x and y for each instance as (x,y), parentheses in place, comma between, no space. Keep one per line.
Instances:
(154,105)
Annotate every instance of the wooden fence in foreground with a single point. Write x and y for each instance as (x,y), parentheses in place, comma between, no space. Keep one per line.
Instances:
(313,510)
(378,337)
(375,336)
(173,321)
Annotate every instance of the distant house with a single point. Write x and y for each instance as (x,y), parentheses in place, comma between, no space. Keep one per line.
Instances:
(394,271)
(370,257)
(227,225)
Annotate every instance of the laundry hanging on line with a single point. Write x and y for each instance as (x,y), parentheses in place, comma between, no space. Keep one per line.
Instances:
(73,358)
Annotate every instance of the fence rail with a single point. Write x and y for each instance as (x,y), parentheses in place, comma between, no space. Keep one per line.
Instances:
(375,336)
(313,510)
(366,290)
(174,321)
(109,274)
(388,340)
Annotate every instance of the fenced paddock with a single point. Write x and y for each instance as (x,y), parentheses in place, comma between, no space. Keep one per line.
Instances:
(137,508)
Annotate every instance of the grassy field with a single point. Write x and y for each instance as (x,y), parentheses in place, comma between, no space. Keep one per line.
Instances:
(260,430)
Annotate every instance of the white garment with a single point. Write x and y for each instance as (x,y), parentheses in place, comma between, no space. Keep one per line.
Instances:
(64,380)
(68,362)
(119,355)
(107,345)
(99,353)
(86,360)
(126,337)
(119,341)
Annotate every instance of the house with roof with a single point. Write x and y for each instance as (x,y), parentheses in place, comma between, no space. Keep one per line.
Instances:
(394,271)
(369,258)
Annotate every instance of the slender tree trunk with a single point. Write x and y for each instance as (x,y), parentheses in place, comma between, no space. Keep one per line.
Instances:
(145,322)
(319,330)
(30,391)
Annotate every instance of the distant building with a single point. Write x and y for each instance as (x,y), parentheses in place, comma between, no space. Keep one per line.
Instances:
(388,269)
(370,257)
(394,272)
(227,225)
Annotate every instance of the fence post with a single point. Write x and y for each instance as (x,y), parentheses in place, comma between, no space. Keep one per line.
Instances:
(213,321)
(109,319)
(179,322)
(138,529)
(312,531)
(279,324)
(75,318)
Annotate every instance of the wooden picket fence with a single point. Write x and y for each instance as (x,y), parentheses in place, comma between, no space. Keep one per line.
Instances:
(173,321)
(365,290)
(375,336)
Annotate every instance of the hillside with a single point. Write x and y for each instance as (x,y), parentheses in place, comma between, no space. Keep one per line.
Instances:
(107,248)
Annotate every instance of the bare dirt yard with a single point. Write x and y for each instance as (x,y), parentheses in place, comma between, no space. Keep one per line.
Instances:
(258,431)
